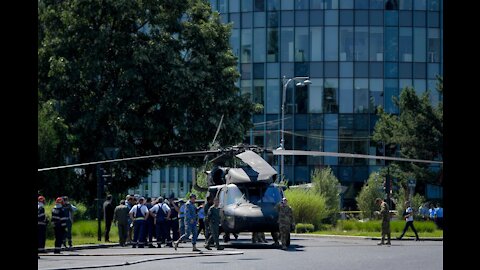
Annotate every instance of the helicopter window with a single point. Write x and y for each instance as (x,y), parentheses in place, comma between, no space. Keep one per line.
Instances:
(272,195)
(235,195)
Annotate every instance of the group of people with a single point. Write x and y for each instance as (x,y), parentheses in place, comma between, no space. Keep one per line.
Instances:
(139,220)
(433,213)
(62,218)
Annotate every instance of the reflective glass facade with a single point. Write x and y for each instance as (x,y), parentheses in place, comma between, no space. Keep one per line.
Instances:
(358,53)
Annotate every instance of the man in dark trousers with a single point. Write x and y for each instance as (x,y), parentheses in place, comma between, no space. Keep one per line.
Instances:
(385,214)
(108,210)
(42,225)
(59,219)
(408,216)
(214,222)
(120,216)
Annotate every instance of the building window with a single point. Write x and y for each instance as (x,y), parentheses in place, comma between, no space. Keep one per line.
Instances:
(330,94)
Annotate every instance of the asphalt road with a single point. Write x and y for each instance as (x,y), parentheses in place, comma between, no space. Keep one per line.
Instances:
(304,253)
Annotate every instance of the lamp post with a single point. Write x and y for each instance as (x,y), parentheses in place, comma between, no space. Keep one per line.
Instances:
(306,81)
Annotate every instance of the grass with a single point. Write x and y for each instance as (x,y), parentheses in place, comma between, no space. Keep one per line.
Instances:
(373,229)
(85,232)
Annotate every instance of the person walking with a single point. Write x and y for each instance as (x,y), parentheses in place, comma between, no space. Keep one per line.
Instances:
(214,222)
(408,216)
(42,225)
(191,218)
(108,210)
(69,210)
(59,219)
(139,213)
(385,214)
(285,221)
(120,218)
(129,203)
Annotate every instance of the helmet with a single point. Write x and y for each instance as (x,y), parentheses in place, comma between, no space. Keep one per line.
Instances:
(41,199)
(59,200)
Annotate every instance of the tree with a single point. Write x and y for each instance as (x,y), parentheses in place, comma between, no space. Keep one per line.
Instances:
(146,77)
(371,190)
(326,184)
(417,131)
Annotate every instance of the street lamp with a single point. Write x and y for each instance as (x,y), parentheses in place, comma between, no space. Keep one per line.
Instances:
(306,81)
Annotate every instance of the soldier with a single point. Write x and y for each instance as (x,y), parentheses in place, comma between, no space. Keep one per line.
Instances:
(190,223)
(385,213)
(69,209)
(139,213)
(214,221)
(207,226)
(285,221)
(42,225)
(120,217)
(59,219)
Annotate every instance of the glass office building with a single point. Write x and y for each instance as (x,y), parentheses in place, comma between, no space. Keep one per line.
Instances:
(358,55)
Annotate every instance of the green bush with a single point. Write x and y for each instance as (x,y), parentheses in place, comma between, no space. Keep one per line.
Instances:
(304,228)
(370,191)
(326,184)
(307,206)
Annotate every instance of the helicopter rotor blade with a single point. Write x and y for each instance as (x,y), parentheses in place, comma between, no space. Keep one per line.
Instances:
(169,155)
(348,155)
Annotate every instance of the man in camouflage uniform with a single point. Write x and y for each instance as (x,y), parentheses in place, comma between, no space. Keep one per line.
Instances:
(213,222)
(285,221)
(385,214)
(207,206)
(191,219)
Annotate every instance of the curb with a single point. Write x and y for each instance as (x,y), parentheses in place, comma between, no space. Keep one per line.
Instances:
(365,237)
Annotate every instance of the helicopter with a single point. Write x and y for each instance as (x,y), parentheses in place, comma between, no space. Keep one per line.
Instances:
(247,191)
(245,183)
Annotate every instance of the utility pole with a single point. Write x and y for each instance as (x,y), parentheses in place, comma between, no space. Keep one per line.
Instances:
(99,201)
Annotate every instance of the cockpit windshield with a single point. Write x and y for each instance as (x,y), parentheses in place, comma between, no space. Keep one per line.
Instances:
(257,194)
(235,196)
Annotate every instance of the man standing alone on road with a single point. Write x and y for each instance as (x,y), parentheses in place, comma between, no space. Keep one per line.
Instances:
(385,213)
(285,221)
(108,216)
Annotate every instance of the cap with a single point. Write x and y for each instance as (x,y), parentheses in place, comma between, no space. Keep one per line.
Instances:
(193,195)
(284,199)
(59,200)
(41,199)
(141,198)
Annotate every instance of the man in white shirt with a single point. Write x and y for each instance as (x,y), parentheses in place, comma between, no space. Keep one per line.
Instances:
(408,215)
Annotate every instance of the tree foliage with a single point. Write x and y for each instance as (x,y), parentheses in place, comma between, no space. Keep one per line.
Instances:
(371,190)
(327,185)
(417,132)
(146,77)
